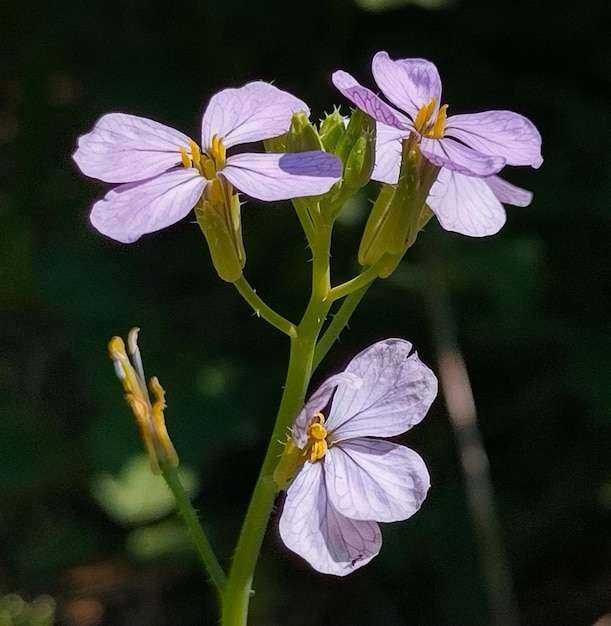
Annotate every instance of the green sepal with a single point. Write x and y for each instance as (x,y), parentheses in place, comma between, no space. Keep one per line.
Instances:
(223,232)
(302,136)
(290,461)
(331,130)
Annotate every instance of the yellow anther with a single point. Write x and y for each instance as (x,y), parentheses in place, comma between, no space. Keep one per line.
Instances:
(424,114)
(196,153)
(148,415)
(316,447)
(439,126)
(217,151)
(208,168)
(185,158)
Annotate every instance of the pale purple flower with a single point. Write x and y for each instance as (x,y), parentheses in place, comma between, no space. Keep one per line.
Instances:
(351,479)
(163,173)
(470,149)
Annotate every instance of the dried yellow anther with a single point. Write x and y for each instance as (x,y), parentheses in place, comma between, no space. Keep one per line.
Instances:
(148,415)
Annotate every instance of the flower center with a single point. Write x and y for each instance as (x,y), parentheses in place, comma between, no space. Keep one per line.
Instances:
(428,126)
(208,164)
(316,446)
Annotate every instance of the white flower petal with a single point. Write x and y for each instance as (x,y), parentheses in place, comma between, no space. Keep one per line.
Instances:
(407,83)
(125,148)
(388,154)
(313,528)
(369,102)
(507,193)
(253,112)
(452,155)
(396,393)
(374,479)
(272,176)
(501,133)
(131,210)
(466,205)
(318,401)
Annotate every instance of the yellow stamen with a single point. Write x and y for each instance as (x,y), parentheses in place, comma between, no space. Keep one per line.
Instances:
(425,125)
(217,151)
(196,153)
(208,168)
(439,126)
(317,445)
(185,158)
(424,114)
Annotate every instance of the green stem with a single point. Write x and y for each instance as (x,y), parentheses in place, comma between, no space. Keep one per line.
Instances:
(338,323)
(263,310)
(198,537)
(237,592)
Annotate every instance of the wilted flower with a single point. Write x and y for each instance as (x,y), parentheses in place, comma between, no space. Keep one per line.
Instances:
(349,478)
(149,415)
(163,173)
(470,149)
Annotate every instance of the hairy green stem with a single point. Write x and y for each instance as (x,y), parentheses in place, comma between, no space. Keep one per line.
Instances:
(196,532)
(338,323)
(263,310)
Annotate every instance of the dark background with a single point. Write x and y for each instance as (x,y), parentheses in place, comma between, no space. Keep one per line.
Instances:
(531,308)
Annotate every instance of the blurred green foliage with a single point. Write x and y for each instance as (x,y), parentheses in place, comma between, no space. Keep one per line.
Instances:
(531,306)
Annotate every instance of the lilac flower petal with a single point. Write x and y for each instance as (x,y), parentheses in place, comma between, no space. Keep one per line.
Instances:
(507,193)
(388,154)
(368,102)
(465,205)
(407,83)
(253,112)
(499,133)
(134,209)
(459,158)
(311,527)
(374,479)
(396,393)
(318,401)
(283,176)
(125,148)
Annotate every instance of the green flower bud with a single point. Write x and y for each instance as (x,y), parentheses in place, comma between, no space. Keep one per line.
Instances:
(302,136)
(222,227)
(331,130)
(399,213)
(360,125)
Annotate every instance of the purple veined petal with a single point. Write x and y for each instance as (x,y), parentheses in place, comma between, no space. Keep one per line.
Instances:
(368,102)
(396,393)
(313,528)
(125,148)
(507,193)
(318,401)
(253,112)
(272,176)
(374,479)
(407,83)
(455,156)
(134,209)
(498,133)
(466,205)
(388,154)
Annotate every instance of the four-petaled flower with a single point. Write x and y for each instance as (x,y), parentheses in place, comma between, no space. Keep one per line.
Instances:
(163,173)
(350,478)
(470,149)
